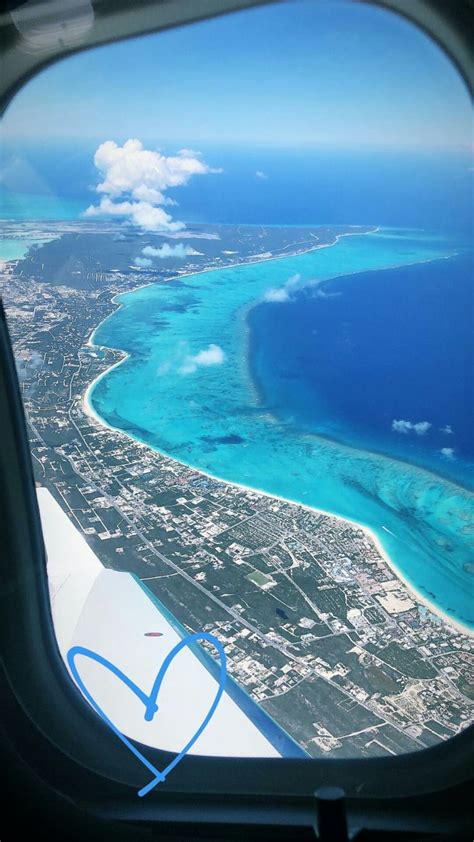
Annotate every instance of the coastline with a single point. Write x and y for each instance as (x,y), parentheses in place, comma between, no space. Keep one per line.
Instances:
(113,300)
(256,389)
(369,532)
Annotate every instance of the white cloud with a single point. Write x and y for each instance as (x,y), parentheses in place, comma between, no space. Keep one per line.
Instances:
(140,177)
(148,194)
(405,427)
(447,452)
(129,167)
(261,175)
(319,293)
(144,262)
(139,213)
(401,426)
(422,427)
(448,430)
(164,368)
(196,235)
(188,153)
(166,251)
(212,355)
(278,294)
(36,359)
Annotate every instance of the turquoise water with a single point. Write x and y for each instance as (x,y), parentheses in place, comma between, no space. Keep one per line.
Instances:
(349,358)
(204,411)
(39,206)
(15,249)
(31,207)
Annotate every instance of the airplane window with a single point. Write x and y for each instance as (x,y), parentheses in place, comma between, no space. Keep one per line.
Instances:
(237,269)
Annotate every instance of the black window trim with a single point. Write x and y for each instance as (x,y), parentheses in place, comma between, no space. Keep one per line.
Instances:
(447,22)
(63,740)
(60,736)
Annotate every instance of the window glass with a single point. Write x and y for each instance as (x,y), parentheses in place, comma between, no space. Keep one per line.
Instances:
(237,267)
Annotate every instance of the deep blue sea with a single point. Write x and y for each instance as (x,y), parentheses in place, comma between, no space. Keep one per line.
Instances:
(231,419)
(353,355)
(427,190)
(354,395)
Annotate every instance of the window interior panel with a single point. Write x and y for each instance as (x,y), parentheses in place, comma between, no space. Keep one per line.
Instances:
(237,269)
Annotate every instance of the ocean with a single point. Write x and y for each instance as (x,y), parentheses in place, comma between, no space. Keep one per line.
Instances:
(378,332)
(349,358)
(233,424)
(303,186)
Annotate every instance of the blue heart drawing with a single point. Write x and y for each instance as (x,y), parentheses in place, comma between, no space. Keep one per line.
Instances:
(150,701)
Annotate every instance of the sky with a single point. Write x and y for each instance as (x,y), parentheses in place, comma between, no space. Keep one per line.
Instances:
(338,73)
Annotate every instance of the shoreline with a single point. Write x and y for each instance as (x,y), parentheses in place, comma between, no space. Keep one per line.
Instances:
(368,531)
(256,389)
(113,300)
